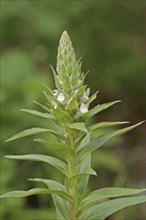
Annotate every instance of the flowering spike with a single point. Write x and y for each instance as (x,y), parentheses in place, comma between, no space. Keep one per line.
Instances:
(66,55)
(69,79)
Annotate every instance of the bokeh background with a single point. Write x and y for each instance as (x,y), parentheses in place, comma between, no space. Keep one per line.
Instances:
(109,35)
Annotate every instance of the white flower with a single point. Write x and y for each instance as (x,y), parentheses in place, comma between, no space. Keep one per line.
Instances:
(55,92)
(60,97)
(83,108)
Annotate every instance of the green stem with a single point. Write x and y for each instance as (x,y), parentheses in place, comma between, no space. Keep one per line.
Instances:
(73,191)
(72,171)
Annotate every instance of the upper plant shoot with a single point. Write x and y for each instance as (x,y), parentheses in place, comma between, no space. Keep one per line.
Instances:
(68,108)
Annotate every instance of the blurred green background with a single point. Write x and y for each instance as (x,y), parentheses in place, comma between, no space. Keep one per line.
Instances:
(109,35)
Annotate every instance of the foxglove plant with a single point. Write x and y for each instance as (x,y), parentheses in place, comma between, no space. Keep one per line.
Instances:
(67,108)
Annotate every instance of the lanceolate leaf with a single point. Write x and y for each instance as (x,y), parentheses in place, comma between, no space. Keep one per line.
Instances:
(60,148)
(105,209)
(62,116)
(96,110)
(92,98)
(80,91)
(76,70)
(84,142)
(84,165)
(72,105)
(52,120)
(34,192)
(62,206)
(48,97)
(98,142)
(47,87)
(106,124)
(58,164)
(57,82)
(67,87)
(109,192)
(76,177)
(43,106)
(37,113)
(51,184)
(32,131)
(78,126)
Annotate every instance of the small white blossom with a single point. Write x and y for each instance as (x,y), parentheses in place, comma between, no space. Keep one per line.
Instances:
(60,97)
(83,108)
(55,92)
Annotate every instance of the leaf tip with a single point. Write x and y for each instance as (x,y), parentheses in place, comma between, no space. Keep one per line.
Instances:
(7,140)
(118,101)
(8,156)
(141,122)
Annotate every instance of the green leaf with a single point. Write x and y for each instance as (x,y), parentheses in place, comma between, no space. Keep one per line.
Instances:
(78,84)
(80,91)
(43,106)
(55,127)
(48,97)
(84,142)
(106,124)
(75,71)
(51,184)
(83,76)
(62,116)
(73,179)
(52,121)
(109,192)
(34,192)
(98,142)
(62,206)
(62,72)
(57,81)
(67,86)
(47,87)
(87,92)
(60,148)
(32,131)
(96,110)
(72,105)
(37,113)
(91,98)
(78,126)
(103,210)
(58,164)
(84,165)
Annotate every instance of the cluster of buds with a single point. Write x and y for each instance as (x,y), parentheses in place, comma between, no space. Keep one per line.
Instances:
(71,94)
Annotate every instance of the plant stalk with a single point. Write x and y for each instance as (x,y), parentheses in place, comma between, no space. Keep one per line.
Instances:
(72,171)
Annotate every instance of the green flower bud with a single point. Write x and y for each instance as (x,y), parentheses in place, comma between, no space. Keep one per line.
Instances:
(66,58)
